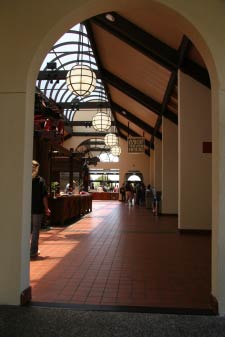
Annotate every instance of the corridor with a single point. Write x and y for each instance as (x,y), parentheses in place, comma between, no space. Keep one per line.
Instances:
(120,256)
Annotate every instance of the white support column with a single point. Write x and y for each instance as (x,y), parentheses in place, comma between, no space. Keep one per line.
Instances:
(195,165)
(15,171)
(169,168)
(158,165)
(152,166)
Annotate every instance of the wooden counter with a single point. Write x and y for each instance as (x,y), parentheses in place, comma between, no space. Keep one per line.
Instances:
(105,195)
(65,208)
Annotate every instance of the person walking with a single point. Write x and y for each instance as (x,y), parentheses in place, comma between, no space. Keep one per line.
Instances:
(39,207)
(123,193)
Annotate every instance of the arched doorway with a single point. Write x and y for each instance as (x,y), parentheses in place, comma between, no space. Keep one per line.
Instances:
(24,161)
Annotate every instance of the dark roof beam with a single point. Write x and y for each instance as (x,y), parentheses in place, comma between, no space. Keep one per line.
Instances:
(183,50)
(132,118)
(129,131)
(137,38)
(151,46)
(89,134)
(137,95)
(83,105)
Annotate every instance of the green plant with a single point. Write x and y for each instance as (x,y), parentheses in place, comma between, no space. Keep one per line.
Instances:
(54,185)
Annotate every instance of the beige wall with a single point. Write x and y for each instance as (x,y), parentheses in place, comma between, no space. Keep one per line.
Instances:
(195,167)
(25,43)
(169,168)
(127,161)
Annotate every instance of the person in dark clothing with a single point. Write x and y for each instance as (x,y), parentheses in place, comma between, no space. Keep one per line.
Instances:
(123,192)
(39,207)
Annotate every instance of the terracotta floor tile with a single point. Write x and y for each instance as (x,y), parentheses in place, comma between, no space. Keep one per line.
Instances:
(118,255)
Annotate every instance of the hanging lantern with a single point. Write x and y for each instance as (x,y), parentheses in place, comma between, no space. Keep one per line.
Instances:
(111,139)
(101,121)
(115,150)
(81,80)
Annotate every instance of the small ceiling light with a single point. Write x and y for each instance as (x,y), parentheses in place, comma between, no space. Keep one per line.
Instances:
(111,139)
(110,17)
(101,121)
(115,150)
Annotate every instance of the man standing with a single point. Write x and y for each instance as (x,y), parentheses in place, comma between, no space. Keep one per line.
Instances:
(39,207)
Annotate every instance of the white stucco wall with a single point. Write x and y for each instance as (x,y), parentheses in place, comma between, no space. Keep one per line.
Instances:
(195,167)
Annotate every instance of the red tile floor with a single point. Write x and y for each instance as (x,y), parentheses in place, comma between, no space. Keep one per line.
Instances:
(119,255)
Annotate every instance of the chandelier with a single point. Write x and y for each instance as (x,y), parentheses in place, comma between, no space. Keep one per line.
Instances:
(115,150)
(81,79)
(111,139)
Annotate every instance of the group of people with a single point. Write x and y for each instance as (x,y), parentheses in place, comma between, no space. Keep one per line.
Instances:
(133,194)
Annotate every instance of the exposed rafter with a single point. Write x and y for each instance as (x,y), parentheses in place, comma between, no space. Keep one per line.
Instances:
(132,118)
(197,72)
(132,133)
(139,39)
(84,105)
(89,134)
(150,46)
(183,50)
(137,95)
(85,123)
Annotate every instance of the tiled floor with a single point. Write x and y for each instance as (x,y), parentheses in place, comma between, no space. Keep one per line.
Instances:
(123,256)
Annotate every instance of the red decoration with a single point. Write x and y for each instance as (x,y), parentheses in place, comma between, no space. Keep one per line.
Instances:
(48,125)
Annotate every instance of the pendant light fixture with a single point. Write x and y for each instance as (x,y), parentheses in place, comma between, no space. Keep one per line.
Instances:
(115,150)
(101,120)
(81,79)
(111,139)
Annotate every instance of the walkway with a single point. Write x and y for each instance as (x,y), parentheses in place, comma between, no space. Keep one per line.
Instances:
(121,256)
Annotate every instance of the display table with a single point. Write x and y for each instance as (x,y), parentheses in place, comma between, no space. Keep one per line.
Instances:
(65,208)
(105,195)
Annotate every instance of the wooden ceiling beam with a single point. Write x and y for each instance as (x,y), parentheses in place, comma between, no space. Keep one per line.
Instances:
(137,38)
(83,105)
(86,123)
(132,118)
(196,72)
(89,134)
(132,133)
(150,46)
(137,95)
(183,50)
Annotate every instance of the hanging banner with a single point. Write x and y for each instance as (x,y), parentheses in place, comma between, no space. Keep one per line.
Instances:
(136,144)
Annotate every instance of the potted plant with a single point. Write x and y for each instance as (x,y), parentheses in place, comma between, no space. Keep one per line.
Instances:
(54,187)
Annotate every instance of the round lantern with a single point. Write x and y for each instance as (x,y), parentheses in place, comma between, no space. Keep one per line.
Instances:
(111,139)
(81,80)
(101,121)
(115,150)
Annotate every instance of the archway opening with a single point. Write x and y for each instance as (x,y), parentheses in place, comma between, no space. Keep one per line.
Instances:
(126,111)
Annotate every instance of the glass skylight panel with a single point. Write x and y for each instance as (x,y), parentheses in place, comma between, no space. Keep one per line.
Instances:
(65,53)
